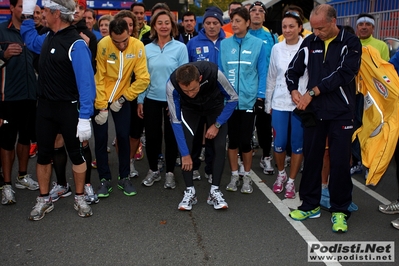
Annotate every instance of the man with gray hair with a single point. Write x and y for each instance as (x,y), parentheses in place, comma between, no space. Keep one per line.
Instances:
(66,99)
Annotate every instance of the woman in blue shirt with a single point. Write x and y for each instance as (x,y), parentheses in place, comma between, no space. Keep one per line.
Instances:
(164,55)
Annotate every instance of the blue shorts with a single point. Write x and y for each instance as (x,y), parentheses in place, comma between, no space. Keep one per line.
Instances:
(281,120)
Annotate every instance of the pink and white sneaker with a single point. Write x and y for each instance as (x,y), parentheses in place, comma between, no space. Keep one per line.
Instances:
(290,190)
(278,184)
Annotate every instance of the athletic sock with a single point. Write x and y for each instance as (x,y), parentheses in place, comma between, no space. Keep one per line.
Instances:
(291,180)
(213,188)
(21,174)
(282,172)
(192,189)
(234,172)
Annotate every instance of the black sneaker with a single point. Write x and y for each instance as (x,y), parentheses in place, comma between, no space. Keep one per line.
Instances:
(126,185)
(104,189)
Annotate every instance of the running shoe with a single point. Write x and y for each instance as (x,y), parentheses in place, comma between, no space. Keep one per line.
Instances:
(170,180)
(94,164)
(279,183)
(395,223)
(234,183)
(299,215)
(8,195)
(216,199)
(290,190)
(356,169)
(209,177)
(26,181)
(247,185)
(391,208)
(202,155)
(58,191)
(339,222)
(84,210)
(268,169)
(196,175)
(188,201)
(43,205)
(104,189)
(33,150)
(126,185)
(133,171)
(139,153)
(151,178)
(90,195)
(161,162)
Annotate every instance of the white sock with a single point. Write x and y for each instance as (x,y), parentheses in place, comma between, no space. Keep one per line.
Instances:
(192,189)
(213,188)
(246,173)
(234,172)
(290,180)
(281,172)
(324,186)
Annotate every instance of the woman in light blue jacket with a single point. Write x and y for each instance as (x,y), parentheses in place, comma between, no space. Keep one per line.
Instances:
(242,59)
(164,55)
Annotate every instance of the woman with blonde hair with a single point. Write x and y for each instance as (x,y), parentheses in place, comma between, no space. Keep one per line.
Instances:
(103,24)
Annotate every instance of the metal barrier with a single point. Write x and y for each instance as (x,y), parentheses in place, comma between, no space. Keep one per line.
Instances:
(385,12)
(393,45)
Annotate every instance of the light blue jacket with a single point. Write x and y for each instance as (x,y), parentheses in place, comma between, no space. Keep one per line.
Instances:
(243,61)
(161,63)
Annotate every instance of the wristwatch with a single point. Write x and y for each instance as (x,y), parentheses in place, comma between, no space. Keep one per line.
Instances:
(312,93)
(23,16)
(121,99)
(217,125)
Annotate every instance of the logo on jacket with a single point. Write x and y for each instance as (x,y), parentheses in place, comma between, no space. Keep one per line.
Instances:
(380,88)
(198,50)
(246,52)
(387,80)
(129,56)
(233,51)
(104,51)
(347,127)
(140,53)
(316,51)
(113,56)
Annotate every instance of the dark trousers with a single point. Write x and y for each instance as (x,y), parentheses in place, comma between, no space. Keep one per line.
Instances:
(339,134)
(197,146)
(122,129)
(156,115)
(263,125)
(191,123)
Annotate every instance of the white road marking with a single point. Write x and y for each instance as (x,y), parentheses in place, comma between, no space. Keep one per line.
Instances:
(302,230)
(370,192)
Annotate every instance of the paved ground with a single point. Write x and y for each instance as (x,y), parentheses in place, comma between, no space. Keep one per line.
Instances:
(147,229)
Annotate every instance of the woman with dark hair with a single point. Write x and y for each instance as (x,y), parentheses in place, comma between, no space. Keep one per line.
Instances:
(242,58)
(164,55)
(279,99)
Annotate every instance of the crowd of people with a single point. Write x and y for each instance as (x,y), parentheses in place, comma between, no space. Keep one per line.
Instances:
(199,92)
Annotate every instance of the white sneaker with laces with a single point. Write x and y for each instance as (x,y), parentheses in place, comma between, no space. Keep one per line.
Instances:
(7,195)
(84,210)
(133,171)
(234,183)
(216,199)
(188,201)
(26,181)
(247,185)
(268,168)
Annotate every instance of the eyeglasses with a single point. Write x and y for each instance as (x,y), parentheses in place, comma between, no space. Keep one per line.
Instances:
(293,13)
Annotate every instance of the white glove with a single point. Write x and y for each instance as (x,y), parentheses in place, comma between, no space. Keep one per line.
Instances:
(84,129)
(102,117)
(115,106)
(28,7)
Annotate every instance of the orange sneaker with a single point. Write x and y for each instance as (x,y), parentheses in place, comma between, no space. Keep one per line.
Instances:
(33,150)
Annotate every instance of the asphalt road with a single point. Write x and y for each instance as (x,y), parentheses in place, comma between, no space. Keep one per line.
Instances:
(148,229)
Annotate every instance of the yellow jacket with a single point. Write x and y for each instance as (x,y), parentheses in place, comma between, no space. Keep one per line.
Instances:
(378,81)
(115,69)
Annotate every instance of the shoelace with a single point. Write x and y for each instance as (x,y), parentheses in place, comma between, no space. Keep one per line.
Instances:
(8,192)
(80,200)
(218,195)
(394,206)
(280,179)
(188,196)
(39,204)
(290,186)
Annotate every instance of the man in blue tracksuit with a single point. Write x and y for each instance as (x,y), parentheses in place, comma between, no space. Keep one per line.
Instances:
(205,47)
(332,57)
(196,92)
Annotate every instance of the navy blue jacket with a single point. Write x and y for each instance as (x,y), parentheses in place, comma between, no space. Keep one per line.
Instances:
(334,75)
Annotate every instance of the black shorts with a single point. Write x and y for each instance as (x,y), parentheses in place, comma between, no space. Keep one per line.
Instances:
(17,117)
